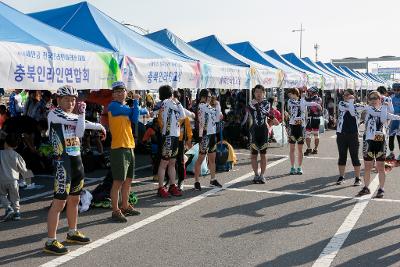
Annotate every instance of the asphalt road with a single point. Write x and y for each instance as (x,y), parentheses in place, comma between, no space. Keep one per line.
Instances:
(300,220)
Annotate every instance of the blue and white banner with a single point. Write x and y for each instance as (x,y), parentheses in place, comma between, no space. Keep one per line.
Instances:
(47,68)
(224,77)
(148,74)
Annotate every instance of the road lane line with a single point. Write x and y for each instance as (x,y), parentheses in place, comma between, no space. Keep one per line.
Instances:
(329,253)
(290,193)
(104,240)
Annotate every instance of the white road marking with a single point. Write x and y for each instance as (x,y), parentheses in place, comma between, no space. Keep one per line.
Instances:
(100,242)
(290,193)
(89,179)
(329,253)
(307,157)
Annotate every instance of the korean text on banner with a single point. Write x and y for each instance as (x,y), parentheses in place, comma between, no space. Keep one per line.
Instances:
(47,68)
(147,74)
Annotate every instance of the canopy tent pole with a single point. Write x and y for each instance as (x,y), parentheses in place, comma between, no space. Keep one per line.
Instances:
(282,89)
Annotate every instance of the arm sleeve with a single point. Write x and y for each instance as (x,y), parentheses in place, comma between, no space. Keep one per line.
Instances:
(93,126)
(347,106)
(201,118)
(143,111)
(393,117)
(80,126)
(21,166)
(121,110)
(360,108)
(181,110)
(61,119)
(219,113)
(311,104)
(189,114)
(390,106)
(134,116)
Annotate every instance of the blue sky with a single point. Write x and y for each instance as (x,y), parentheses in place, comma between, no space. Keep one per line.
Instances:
(342,28)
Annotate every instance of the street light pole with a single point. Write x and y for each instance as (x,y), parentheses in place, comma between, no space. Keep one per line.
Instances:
(316,47)
(301,30)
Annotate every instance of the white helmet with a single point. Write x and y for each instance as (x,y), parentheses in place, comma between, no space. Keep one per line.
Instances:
(67,90)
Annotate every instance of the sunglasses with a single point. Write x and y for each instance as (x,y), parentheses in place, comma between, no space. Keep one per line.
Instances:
(118,91)
(374,98)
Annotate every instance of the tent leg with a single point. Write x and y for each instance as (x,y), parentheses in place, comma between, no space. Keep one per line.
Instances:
(283,114)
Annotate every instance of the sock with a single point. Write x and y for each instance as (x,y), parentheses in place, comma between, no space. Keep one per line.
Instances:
(71,231)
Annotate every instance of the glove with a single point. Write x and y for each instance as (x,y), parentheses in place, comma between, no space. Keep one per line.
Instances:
(81,108)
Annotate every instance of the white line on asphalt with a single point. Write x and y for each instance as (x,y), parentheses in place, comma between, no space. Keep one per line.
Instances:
(329,253)
(102,241)
(286,193)
(307,157)
(90,180)
(289,193)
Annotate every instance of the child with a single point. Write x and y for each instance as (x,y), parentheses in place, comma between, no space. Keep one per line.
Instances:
(260,111)
(297,109)
(208,116)
(65,131)
(11,166)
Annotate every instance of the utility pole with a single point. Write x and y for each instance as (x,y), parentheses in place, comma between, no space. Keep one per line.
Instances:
(301,30)
(316,47)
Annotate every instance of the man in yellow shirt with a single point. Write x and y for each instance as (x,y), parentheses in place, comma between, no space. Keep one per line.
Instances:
(122,157)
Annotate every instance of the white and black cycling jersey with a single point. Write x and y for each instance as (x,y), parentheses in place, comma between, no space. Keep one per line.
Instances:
(297,111)
(171,112)
(259,112)
(65,129)
(376,122)
(208,117)
(387,104)
(354,111)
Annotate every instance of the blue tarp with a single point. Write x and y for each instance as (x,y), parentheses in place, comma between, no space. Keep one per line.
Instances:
(377,78)
(350,72)
(176,44)
(214,71)
(292,58)
(326,68)
(251,52)
(87,22)
(314,65)
(277,57)
(365,76)
(336,70)
(372,76)
(213,47)
(19,28)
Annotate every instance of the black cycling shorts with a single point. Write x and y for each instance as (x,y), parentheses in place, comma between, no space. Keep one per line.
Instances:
(169,147)
(208,144)
(259,139)
(296,134)
(374,150)
(69,177)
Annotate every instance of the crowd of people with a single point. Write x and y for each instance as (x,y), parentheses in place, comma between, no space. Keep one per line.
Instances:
(35,120)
